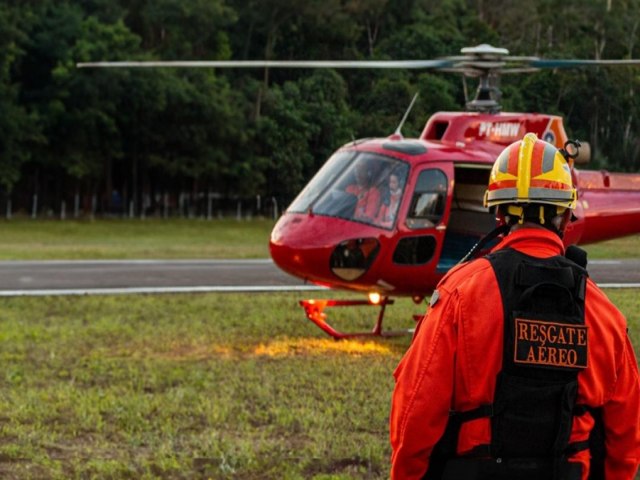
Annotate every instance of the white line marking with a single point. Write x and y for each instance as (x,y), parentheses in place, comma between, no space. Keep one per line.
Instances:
(604,262)
(154,290)
(219,289)
(246,261)
(618,285)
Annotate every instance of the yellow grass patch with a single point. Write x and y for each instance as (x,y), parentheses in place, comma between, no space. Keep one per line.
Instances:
(277,348)
(317,346)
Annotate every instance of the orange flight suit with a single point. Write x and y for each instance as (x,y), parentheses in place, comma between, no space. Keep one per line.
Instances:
(457,352)
(367,203)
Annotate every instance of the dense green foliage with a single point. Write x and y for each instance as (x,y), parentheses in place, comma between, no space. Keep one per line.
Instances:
(67,134)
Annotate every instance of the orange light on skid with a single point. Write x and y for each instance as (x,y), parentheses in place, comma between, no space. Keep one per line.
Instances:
(374,298)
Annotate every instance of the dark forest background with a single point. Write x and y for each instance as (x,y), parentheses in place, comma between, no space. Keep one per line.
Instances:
(199,141)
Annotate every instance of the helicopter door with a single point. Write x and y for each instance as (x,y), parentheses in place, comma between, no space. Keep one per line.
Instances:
(469,220)
(424,225)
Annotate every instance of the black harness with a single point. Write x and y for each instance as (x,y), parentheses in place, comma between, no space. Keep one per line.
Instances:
(545,347)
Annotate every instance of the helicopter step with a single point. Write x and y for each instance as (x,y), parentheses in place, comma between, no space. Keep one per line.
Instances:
(314,309)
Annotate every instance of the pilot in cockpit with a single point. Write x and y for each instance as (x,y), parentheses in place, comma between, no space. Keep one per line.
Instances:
(367,194)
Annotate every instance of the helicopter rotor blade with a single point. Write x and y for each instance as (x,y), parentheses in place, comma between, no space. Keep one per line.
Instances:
(572,63)
(508,71)
(521,59)
(483,62)
(388,64)
(481,65)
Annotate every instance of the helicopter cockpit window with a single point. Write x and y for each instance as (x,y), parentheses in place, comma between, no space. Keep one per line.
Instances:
(331,170)
(429,198)
(368,189)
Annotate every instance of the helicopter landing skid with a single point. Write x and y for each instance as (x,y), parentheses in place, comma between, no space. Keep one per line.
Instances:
(314,310)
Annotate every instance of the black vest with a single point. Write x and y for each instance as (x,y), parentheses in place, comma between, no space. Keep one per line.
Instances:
(545,344)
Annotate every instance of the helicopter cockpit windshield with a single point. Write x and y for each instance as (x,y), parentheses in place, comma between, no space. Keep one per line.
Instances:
(359,186)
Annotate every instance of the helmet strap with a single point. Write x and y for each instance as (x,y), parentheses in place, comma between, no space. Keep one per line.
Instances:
(516,211)
(544,215)
(541,214)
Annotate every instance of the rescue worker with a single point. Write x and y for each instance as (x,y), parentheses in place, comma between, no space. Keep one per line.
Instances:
(368,196)
(522,368)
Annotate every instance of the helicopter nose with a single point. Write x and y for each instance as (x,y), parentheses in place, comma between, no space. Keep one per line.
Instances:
(348,260)
(315,249)
(289,245)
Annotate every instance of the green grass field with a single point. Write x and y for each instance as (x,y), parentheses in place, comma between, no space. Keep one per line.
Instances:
(626,247)
(197,386)
(24,239)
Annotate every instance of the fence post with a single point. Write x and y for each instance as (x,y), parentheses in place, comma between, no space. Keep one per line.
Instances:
(145,204)
(275,208)
(76,205)
(34,208)
(63,210)
(9,213)
(165,201)
(94,206)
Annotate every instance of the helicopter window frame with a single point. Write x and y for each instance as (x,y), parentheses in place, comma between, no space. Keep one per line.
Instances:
(428,205)
(336,199)
(322,181)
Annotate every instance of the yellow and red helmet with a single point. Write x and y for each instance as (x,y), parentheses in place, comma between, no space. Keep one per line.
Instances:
(531,171)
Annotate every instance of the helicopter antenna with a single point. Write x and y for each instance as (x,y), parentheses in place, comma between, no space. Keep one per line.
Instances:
(465,89)
(406,114)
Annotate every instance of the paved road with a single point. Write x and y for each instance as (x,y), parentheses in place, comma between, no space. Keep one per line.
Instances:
(22,277)
(615,271)
(138,273)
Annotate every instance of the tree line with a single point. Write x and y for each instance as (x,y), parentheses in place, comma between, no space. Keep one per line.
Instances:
(152,141)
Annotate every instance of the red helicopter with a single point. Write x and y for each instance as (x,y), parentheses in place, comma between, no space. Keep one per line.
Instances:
(390,216)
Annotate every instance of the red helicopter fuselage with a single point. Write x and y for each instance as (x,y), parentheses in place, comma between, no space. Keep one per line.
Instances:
(393,215)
